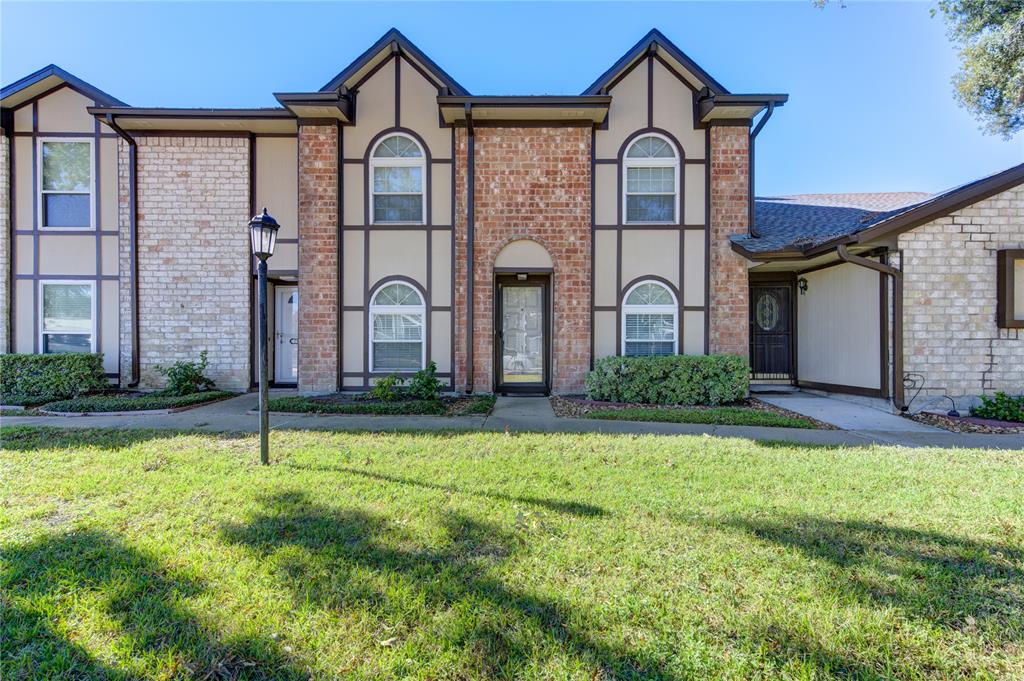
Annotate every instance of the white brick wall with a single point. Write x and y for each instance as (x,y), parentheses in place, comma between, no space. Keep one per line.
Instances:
(5,244)
(950,334)
(193,252)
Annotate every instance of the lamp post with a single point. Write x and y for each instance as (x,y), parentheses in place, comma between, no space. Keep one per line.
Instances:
(263,238)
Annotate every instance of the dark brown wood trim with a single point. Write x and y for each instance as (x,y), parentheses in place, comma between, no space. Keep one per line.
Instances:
(27,133)
(883,330)
(545,279)
(593,234)
(339,258)
(1005,283)
(253,333)
(707,242)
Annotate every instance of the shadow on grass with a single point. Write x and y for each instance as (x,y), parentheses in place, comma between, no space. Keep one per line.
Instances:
(576,508)
(94,572)
(444,596)
(950,581)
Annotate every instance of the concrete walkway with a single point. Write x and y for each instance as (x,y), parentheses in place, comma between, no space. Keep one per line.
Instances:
(534,414)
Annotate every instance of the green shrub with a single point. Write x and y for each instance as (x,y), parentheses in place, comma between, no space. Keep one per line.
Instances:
(1002,407)
(51,376)
(305,405)
(674,379)
(723,416)
(386,389)
(424,384)
(186,378)
(18,400)
(160,400)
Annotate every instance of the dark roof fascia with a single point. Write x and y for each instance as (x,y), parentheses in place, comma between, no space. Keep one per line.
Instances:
(343,102)
(713,101)
(394,36)
(139,112)
(101,97)
(655,37)
(540,101)
(768,256)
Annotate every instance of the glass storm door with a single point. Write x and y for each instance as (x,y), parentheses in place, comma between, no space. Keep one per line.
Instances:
(522,335)
(771,349)
(286,334)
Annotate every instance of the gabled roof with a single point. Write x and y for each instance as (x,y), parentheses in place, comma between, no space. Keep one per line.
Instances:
(47,78)
(805,226)
(388,42)
(655,39)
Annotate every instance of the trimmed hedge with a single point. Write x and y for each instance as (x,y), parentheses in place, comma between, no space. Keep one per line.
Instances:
(675,379)
(104,403)
(53,376)
(720,416)
(306,405)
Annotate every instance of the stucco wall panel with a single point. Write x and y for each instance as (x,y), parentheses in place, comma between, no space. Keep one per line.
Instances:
(693,194)
(441,268)
(605,254)
(25,316)
(109,325)
(694,263)
(441,193)
(354,188)
(24,254)
(64,111)
(352,277)
(441,340)
(352,342)
(693,333)
(606,194)
(605,334)
(277,182)
(23,119)
(419,111)
(375,104)
(398,252)
(108,184)
(650,252)
(24,202)
(67,254)
(673,111)
(627,113)
(839,327)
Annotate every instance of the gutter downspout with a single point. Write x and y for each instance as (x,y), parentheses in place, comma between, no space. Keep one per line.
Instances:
(133,238)
(470,230)
(897,317)
(753,135)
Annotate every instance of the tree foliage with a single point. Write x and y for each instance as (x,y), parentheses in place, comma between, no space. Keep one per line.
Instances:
(990,82)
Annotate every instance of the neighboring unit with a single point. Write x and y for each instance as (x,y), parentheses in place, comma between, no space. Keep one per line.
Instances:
(511,240)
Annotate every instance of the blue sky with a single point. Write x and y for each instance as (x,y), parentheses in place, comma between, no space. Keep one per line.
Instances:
(871,105)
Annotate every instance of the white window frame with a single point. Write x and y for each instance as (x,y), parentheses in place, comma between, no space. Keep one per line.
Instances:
(377,310)
(92,313)
(92,182)
(628,163)
(420,163)
(672,309)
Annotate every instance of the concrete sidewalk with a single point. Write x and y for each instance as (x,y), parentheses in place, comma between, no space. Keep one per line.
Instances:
(516,414)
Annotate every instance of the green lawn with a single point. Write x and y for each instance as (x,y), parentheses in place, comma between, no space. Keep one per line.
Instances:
(460,556)
(724,416)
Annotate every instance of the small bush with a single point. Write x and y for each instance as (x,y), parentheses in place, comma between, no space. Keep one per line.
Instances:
(424,384)
(675,379)
(186,378)
(1002,407)
(51,376)
(386,389)
(161,400)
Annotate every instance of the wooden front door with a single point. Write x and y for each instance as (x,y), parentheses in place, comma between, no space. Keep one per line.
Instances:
(771,330)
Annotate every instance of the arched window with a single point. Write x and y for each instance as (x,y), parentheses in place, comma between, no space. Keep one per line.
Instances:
(649,325)
(397,169)
(651,186)
(397,328)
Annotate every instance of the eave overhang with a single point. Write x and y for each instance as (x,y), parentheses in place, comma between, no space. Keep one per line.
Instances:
(48,78)
(143,120)
(555,109)
(321,105)
(719,107)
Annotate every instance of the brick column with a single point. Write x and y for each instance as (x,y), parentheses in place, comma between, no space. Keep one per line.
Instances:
(730,196)
(318,259)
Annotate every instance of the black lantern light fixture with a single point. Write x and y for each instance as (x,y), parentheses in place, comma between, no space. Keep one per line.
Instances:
(263,237)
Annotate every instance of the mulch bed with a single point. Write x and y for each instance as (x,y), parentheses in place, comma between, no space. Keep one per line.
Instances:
(577,407)
(967,424)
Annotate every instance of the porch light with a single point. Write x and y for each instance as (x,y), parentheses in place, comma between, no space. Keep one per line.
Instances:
(263,235)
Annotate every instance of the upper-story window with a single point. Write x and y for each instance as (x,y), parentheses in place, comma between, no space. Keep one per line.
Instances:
(66,184)
(397,165)
(649,325)
(651,167)
(397,325)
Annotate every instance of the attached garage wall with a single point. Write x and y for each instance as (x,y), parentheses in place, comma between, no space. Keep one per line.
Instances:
(839,328)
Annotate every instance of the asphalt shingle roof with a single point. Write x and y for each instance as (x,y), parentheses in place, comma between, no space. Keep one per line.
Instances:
(804,220)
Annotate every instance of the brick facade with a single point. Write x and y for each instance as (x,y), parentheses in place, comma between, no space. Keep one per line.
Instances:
(193,256)
(5,244)
(950,333)
(531,183)
(730,196)
(318,259)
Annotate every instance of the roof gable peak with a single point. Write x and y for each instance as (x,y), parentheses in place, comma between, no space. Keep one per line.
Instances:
(53,71)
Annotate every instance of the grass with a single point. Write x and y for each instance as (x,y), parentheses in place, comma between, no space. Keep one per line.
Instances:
(726,416)
(405,407)
(105,403)
(154,555)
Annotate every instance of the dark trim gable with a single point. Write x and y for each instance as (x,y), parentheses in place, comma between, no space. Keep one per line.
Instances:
(53,71)
(655,38)
(395,37)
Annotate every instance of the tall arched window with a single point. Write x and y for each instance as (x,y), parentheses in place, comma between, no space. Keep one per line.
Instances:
(397,328)
(649,324)
(397,169)
(651,168)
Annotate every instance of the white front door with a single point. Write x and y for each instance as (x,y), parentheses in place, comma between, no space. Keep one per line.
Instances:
(286,334)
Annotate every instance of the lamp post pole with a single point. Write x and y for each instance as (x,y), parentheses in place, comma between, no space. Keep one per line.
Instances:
(263,237)
(261,275)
